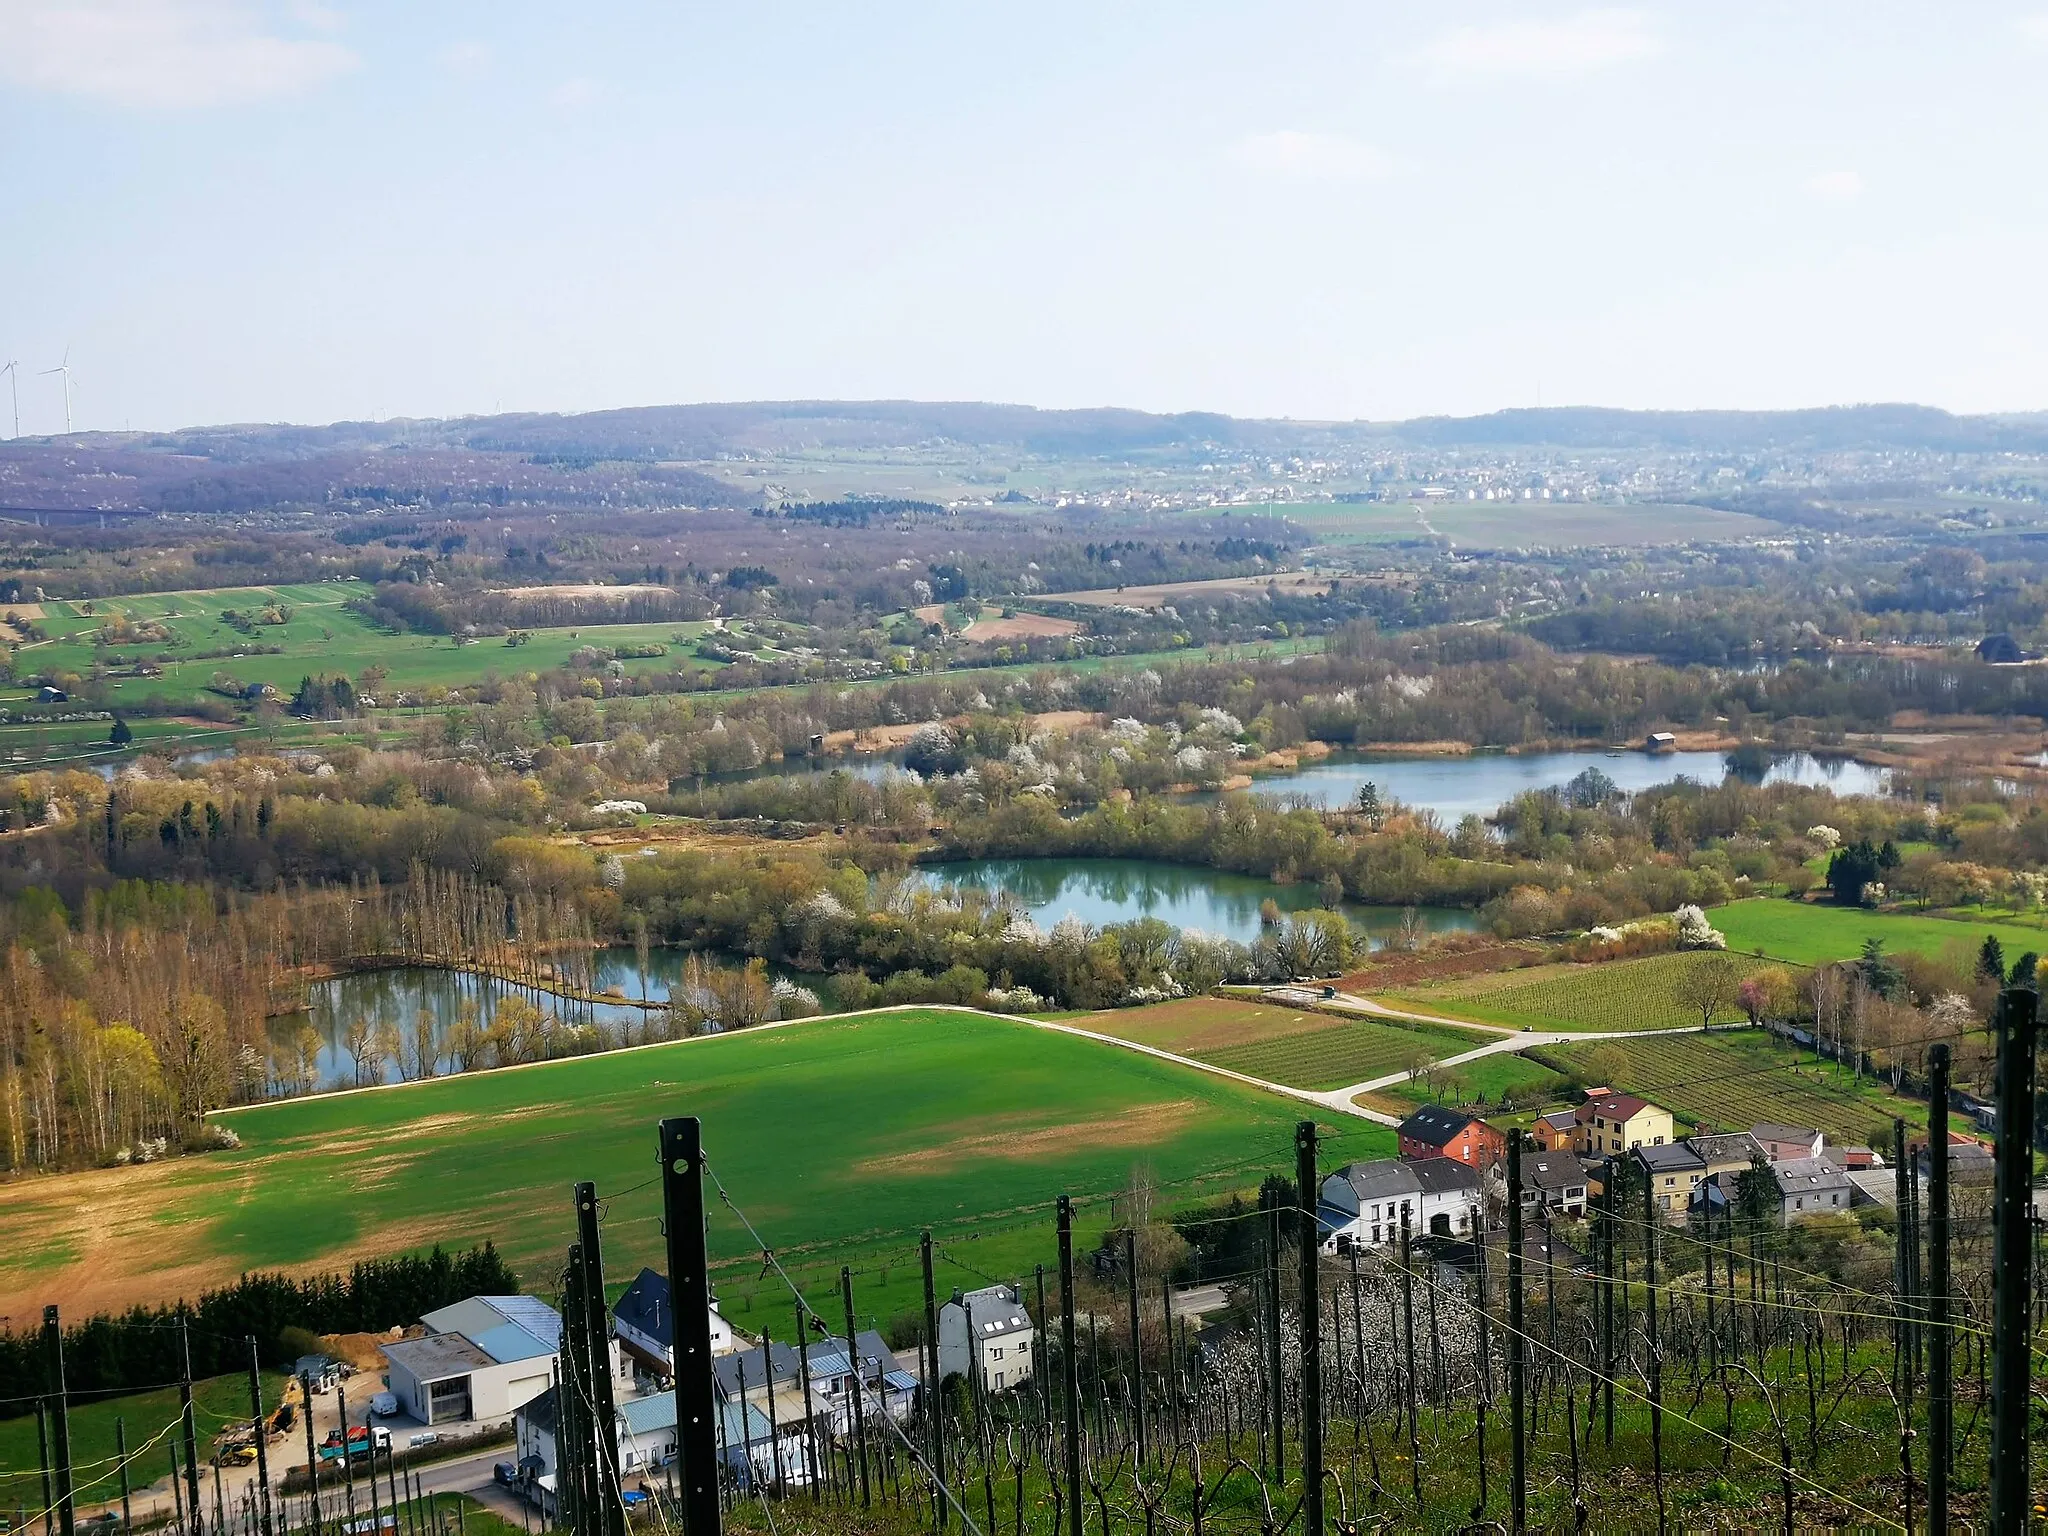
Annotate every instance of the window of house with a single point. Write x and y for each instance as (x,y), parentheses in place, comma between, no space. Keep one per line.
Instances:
(996,1353)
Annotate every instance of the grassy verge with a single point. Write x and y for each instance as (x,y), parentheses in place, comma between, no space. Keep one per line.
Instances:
(1809,933)
(1615,995)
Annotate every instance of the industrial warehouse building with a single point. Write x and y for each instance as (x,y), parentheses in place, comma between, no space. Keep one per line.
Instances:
(480,1359)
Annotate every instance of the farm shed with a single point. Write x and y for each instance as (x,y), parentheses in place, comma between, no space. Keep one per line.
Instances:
(480,1359)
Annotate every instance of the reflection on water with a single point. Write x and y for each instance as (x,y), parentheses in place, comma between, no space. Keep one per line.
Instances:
(400,996)
(1102,891)
(1479,785)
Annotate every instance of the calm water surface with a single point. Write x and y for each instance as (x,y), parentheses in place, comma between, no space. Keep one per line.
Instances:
(1102,891)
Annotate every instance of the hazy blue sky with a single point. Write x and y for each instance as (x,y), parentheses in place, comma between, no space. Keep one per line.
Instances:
(240,211)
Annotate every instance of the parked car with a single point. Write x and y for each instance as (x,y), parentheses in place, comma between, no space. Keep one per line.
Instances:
(504,1472)
(426,1439)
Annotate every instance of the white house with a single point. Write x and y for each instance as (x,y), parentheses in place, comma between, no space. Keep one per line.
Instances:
(987,1331)
(644,1321)
(480,1359)
(645,1431)
(1364,1201)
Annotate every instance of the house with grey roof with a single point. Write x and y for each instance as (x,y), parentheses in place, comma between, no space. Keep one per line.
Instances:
(986,1331)
(1674,1171)
(644,1321)
(1363,1202)
(1811,1186)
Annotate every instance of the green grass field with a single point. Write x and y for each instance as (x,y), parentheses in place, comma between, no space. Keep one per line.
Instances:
(1734,1080)
(1813,934)
(320,636)
(1530,1083)
(840,1137)
(1617,994)
(146,1416)
(1339,1052)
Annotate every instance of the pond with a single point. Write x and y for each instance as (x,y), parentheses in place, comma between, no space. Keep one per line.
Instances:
(1102,891)
(402,993)
(1479,785)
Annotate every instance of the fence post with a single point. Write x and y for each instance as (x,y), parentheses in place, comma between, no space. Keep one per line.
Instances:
(812,1470)
(53,1364)
(1518,1428)
(1940,1389)
(611,1488)
(1070,1367)
(935,1396)
(2011,1262)
(1309,1237)
(1607,1306)
(689,1283)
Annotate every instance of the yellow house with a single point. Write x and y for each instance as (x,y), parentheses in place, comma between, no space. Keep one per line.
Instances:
(1610,1122)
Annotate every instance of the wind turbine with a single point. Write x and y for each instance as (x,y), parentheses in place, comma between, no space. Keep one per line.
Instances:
(13,371)
(64,368)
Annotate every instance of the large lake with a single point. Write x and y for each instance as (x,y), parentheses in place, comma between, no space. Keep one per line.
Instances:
(1482,783)
(1102,891)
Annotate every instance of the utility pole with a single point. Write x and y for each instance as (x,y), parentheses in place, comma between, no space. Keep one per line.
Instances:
(312,1455)
(2012,1260)
(1275,1364)
(934,1381)
(1070,1367)
(121,1453)
(689,1283)
(53,1346)
(1308,1192)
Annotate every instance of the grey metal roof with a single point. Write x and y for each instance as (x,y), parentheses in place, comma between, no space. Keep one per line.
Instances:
(993,1311)
(1802,1175)
(1553,1170)
(1672,1157)
(1382,1179)
(1444,1176)
(1724,1147)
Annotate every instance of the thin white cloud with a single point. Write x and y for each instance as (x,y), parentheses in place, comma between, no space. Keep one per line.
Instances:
(160,53)
(575,93)
(1835,186)
(1299,156)
(2035,29)
(469,57)
(1575,45)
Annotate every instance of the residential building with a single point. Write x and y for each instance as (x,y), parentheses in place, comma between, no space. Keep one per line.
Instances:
(1874,1186)
(1556,1131)
(1781,1142)
(645,1433)
(1554,1181)
(1674,1170)
(480,1359)
(1811,1186)
(986,1331)
(1363,1202)
(1436,1130)
(645,1325)
(1969,1161)
(1726,1154)
(1610,1122)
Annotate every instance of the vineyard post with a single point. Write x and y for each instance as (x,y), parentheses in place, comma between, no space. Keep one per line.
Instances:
(53,1364)
(1652,1223)
(1137,1348)
(191,1426)
(258,1433)
(121,1454)
(2012,1254)
(1901,1281)
(312,1458)
(1311,1333)
(1070,1367)
(1408,1355)
(1273,1357)
(935,1397)
(1940,1388)
(1607,1307)
(1517,1426)
(860,1392)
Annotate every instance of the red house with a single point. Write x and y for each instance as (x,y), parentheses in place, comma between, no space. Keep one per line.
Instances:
(1437,1131)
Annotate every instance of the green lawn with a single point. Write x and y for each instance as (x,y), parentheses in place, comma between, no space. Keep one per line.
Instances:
(840,1137)
(1733,1080)
(321,635)
(1338,1052)
(1615,994)
(1812,933)
(1530,1082)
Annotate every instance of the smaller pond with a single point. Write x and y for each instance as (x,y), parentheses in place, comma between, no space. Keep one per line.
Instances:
(1103,891)
(402,994)
(1480,784)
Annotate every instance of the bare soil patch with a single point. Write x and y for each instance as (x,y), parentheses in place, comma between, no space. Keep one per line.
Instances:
(1013,1139)
(29,611)
(1195,1024)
